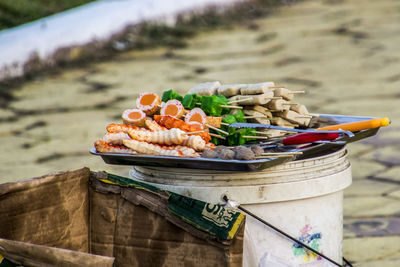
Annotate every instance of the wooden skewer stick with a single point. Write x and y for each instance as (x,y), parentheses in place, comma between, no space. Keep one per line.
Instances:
(224,123)
(196,132)
(297,92)
(274,119)
(259,132)
(289,104)
(276,86)
(287,125)
(225,106)
(303,117)
(256,137)
(217,129)
(256,116)
(217,135)
(214,128)
(282,153)
(272,137)
(276,156)
(240,100)
(232,107)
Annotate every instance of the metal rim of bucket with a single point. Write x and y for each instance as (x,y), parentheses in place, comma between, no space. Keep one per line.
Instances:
(331,173)
(287,172)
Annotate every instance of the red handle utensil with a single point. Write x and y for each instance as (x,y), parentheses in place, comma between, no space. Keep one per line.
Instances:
(304,138)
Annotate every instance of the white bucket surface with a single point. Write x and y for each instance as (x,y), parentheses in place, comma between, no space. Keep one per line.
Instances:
(303,198)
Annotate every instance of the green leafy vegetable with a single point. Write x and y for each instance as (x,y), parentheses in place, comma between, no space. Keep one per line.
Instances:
(171,94)
(211,105)
(190,100)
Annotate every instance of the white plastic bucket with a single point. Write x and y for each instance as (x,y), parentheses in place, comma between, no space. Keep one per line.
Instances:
(303,198)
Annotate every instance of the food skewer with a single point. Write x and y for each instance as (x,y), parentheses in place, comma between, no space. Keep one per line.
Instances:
(276,86)
(232,107)
(282,153)
(257,116)
(304,117)
(240,100)
(148,102)
(225,106)
(275,156)
(170,122)
(217,136)
(267,133)
(197,116)
(257,88)
(259,99)
(256,137)
(197,132)
(173,108)
(267,126)
(286,93)
(217,129)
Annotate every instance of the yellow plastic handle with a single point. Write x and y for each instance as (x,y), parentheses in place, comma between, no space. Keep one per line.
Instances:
(357,126)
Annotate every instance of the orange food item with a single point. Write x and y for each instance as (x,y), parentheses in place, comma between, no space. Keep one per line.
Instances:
(148,103)
(214,121)
(154,126)
(156,149)
(170,122)
(104,147)
(196,116)
(116,128)
(172,108)
(134,117)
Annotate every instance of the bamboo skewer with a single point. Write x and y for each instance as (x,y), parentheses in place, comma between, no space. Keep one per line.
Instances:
(282,153)
(224,123)
(225,106)
(279,155)
(272,137)
(256,137)
(276,156)
(303,117)
(232,107)
(259,132)
(217,135)
(256,116)
(217,129)
(196,132)
(240,100)
(276,86)
(214,128)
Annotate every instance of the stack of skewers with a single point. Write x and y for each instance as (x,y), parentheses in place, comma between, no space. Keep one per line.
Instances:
(192,125)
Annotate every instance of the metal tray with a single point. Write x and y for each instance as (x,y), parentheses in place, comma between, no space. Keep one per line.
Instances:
(309,151)
(191,163)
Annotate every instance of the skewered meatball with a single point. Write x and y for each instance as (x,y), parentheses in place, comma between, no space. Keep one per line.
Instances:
(218,149)
(244,153)
(226,154)
(257,150)
(208,153)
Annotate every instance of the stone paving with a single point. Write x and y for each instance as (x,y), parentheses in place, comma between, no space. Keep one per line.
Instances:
(344,54)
